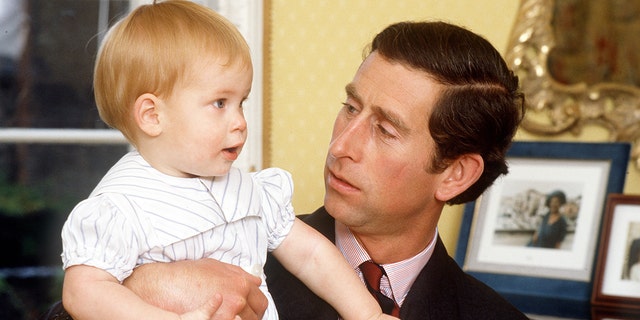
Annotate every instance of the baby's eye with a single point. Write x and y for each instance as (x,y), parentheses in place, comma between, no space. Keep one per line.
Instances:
(219,103)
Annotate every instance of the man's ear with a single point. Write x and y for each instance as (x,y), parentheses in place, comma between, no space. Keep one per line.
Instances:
(146,114)
(459,176)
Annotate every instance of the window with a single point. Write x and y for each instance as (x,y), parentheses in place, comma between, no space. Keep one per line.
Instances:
(53,146)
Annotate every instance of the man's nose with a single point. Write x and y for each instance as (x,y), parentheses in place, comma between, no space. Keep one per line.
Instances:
(349,139)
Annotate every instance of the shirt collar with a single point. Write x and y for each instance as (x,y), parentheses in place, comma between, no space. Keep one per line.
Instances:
(400,275)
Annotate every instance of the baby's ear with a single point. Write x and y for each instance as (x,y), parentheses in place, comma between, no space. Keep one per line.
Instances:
(459,176)
(146,114)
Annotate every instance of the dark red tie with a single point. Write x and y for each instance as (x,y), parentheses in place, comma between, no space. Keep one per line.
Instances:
(372,273)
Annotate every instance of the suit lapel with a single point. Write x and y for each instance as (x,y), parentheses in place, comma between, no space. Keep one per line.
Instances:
(433,294)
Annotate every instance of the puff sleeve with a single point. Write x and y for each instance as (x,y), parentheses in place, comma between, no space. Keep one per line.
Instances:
(98,234)
(276,187)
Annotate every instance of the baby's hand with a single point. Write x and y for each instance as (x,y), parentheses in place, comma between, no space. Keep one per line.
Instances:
(204,312)
(386,317)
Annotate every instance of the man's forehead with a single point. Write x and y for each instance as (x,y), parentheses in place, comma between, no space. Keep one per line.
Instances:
(382,76)
(387,83)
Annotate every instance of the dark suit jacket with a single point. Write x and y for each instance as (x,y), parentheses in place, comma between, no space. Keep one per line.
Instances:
(441,291)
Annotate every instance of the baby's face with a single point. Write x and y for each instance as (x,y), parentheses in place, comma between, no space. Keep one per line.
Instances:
(203,124)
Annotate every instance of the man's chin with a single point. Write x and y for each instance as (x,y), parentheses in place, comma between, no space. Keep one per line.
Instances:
(336,205)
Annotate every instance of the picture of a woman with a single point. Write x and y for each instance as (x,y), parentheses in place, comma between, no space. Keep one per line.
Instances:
(553,228)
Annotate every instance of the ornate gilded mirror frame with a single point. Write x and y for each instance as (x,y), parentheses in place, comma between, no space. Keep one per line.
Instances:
(554,107)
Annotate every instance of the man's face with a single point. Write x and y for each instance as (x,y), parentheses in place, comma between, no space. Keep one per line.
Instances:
(376,175)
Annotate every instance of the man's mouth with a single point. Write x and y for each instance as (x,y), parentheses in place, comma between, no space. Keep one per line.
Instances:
(338,183)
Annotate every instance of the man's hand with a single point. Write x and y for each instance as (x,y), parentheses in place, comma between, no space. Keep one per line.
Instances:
(186,285)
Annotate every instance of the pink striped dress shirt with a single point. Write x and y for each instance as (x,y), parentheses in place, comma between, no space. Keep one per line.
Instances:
(400,275)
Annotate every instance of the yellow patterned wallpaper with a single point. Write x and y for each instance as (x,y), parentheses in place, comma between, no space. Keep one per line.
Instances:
(315,49)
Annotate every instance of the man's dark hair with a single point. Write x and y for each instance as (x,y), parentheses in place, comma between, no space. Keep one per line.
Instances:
(480,107)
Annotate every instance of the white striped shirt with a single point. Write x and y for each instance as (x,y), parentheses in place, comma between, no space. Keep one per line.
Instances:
(138,215)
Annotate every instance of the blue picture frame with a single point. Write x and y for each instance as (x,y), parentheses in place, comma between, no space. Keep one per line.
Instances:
(535,293)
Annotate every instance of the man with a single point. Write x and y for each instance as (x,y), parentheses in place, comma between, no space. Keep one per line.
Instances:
(427,121)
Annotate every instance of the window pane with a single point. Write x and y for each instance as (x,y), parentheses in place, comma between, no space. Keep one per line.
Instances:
(39,185)
(47,52)
(46,61)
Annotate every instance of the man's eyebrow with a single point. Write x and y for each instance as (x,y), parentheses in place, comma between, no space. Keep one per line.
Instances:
(350,89)
(392,117)
(387,115)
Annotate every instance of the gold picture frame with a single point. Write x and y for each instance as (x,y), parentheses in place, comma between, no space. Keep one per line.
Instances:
(556,107)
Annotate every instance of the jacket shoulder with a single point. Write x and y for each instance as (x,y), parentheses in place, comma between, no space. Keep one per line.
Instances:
(444,291)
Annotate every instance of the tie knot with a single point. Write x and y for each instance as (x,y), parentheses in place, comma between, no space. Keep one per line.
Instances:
(372,273)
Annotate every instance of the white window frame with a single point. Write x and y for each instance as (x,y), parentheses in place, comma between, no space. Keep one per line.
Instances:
(247,15)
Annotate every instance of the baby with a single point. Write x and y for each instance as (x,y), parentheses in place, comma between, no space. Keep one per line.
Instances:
(172,77)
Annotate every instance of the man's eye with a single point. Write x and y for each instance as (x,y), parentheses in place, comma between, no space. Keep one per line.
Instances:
(219,104)
(349,108)
(385,132)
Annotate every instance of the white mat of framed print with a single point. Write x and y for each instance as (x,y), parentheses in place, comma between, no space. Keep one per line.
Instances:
(512,210)
(497,238)
(617,281)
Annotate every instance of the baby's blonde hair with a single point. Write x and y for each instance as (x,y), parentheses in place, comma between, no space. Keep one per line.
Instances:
(151,50)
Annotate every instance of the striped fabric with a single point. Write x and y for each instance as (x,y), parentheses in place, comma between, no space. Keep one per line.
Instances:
(138,215)
(400,275)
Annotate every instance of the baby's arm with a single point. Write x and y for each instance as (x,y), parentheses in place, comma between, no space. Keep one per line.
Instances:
(312,258)
(92,293)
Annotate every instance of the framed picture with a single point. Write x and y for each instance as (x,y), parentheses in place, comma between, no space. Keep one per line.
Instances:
(603,313)
(617,281)
(532,236)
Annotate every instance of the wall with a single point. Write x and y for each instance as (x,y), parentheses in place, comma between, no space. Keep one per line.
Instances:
(315,49)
